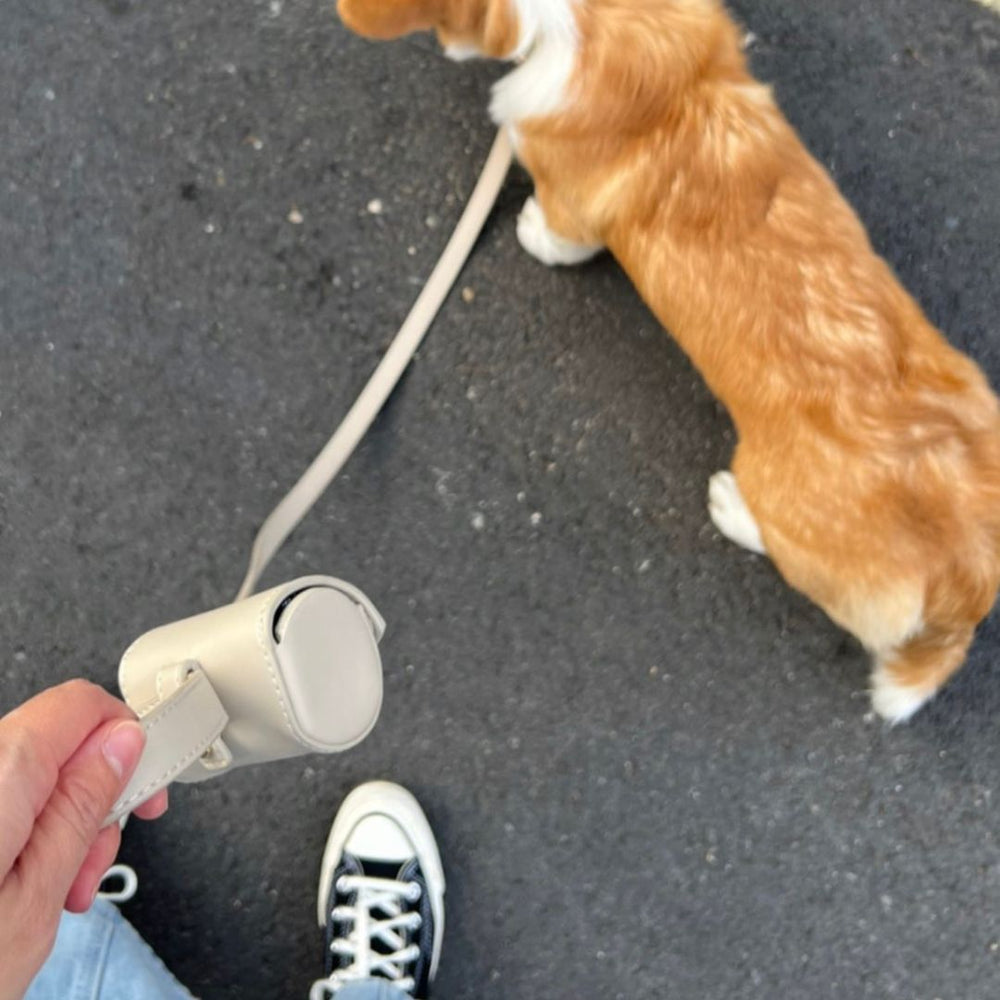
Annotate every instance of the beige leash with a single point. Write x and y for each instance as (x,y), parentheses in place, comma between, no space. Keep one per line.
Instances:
(249,694)
(303,495)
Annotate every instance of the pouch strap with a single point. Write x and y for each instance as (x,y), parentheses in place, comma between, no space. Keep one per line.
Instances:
(182,726)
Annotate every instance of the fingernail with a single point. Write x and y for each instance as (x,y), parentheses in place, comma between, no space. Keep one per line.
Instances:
(123,747)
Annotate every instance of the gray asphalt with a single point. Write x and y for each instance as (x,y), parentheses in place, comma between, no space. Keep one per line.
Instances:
(647,760)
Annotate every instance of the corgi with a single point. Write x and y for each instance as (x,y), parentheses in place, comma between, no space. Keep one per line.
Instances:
(868,458)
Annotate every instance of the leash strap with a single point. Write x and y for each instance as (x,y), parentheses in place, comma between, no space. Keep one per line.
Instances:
(182,727)
(303,495)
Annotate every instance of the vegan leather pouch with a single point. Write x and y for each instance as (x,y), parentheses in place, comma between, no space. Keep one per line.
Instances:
(289,671)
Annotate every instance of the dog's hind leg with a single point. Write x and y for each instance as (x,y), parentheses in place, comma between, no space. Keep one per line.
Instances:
(730,513)
(908,677)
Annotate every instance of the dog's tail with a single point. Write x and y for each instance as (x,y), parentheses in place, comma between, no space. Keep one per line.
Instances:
(958,595)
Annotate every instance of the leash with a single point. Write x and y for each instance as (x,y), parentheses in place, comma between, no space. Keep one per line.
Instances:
(294,669)
(286,516)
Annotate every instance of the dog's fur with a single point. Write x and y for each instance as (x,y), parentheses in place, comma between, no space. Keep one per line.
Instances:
(868,464)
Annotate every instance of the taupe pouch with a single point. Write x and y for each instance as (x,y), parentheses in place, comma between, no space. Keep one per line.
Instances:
(290,671)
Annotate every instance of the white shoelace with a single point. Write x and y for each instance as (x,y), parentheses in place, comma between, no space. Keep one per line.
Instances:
(388,896)
(129,884)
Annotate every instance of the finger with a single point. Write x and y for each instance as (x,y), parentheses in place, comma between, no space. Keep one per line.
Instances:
(62,717)
(155,807)
(88,785)
(98,860)
(27,939)
(27,777)
(103,853)
(35,741)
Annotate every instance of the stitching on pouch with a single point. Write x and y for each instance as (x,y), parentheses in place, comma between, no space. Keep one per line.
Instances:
(218,722)
(261,633)
(145,708)
(148,706)
(123,673)
(159,686)
(166,776)
(183,694)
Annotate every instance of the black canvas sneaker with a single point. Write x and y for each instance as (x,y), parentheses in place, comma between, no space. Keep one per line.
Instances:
(381,894)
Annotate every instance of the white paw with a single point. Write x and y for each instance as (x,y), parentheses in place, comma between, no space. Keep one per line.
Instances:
(536,237)
(460,52)
(730,513)
(893,701)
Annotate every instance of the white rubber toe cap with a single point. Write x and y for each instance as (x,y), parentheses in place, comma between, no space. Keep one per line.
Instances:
(382,821)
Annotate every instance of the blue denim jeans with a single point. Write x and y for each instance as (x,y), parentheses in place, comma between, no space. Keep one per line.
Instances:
(99,956)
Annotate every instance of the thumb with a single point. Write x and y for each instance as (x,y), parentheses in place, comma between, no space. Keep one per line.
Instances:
(89,783)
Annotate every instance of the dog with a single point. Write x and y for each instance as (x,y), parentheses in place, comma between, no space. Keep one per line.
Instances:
(868,458)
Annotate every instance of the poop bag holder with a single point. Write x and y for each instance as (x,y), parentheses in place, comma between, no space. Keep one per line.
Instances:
(296,669)
(293,670)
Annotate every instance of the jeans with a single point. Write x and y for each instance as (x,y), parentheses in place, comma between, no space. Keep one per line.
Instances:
(99,956)
(371,989)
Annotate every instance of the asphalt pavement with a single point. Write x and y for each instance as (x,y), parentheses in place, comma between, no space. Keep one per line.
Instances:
(649,762)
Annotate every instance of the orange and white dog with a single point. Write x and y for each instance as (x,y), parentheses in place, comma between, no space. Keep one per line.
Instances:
(868,464)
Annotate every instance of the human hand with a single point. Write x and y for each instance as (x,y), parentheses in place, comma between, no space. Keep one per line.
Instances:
(65,757)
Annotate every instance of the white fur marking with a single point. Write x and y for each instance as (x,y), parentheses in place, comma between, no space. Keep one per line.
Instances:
(535,236)
(460,52)
(548,42)
(729,511)
(892,700)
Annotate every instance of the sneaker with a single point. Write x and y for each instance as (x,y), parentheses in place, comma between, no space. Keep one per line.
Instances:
(381,893)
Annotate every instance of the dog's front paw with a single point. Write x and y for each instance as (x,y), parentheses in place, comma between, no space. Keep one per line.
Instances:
(729,511)
(535,236)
